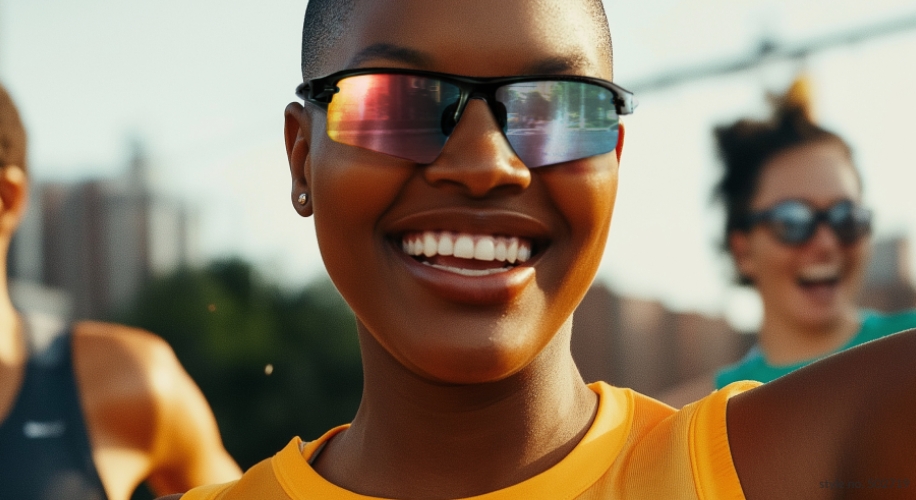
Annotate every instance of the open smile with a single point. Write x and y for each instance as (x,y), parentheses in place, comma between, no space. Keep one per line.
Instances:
(482,257)
(819,275)
(467,254)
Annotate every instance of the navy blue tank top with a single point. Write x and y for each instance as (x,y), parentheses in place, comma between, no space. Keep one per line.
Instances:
(44,447)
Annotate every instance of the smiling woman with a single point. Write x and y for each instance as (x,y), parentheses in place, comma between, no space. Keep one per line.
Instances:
(464,267)
(799,234)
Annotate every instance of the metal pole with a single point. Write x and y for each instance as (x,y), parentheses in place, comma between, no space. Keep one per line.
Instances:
(770,50)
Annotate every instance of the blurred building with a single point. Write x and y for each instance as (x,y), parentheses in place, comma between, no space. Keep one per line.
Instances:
(99,241)
(888,284)
(671,355)
(640,344)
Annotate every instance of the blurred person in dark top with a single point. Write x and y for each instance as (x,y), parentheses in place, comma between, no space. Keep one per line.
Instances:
(88,411)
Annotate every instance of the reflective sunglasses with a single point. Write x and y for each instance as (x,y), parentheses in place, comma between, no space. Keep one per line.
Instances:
(794,222)
(410,114)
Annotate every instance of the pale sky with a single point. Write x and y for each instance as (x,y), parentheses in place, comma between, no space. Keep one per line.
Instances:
(204,84)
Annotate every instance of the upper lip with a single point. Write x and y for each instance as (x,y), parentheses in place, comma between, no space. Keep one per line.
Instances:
(473,221)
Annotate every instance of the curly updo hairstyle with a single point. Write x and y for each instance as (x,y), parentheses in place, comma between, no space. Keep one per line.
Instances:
(746,146)
(12,133)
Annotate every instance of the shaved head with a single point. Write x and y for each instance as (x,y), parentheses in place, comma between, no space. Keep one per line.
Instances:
(327,21)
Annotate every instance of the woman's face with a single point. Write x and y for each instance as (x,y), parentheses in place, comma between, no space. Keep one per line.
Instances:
(461,320)
(813,284)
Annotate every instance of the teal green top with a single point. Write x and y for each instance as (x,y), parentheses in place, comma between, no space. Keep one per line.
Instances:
(755,367)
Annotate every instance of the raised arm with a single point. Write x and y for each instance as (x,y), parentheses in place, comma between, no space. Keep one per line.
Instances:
(147,419)
(842,427)
(188,450)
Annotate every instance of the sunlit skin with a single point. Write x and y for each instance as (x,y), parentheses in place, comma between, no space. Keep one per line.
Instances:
(469,383)
(449,358)
(146,419)
(802,322)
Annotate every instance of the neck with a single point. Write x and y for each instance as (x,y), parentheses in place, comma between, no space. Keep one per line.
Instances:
(416,438)
(784,341)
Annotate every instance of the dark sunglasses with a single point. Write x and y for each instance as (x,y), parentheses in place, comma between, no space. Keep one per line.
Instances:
(794,222)
(410,114)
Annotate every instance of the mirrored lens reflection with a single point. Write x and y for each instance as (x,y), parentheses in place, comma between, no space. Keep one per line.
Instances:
(793,222)
(399,115)
(554,122)
(849,221)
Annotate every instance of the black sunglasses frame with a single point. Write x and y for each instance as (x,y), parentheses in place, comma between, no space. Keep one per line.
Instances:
(858,215)
(320,91)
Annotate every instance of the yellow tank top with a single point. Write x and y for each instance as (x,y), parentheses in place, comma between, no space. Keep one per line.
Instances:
(636,448)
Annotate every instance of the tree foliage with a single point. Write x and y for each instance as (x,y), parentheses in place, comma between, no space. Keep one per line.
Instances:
(272,364)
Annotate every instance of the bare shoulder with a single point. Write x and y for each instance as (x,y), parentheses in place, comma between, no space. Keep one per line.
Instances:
(846,418)
(137,396)
(103,339)
(139,359)
(124,375)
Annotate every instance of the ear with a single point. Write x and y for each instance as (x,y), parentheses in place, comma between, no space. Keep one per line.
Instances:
(621,132)
(739,244)
(14,193)
(297,132)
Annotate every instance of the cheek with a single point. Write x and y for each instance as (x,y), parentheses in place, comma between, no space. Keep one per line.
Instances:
(772,261)
(857,256)
(584,196)
(351,190)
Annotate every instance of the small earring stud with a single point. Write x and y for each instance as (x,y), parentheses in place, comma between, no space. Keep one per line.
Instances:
(303,198)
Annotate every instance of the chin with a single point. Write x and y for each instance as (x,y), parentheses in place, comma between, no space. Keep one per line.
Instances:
(464,365)
(821,316)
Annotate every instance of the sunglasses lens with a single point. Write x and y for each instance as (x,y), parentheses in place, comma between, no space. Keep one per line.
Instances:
(551,122)
(399,115)
(849,221)
(792,222)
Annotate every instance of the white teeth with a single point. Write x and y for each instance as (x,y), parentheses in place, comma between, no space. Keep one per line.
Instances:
(512,251)
(430,245)
(446,247)
(501,250)
(820,272)
(469,272)
(485,249)
(466,246)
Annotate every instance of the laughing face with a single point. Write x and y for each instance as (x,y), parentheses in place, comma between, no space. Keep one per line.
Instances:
(464,269)
(815,284)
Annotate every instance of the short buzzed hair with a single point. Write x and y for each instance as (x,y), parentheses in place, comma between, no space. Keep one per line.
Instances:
(12,133)
(326,22)
(324,25)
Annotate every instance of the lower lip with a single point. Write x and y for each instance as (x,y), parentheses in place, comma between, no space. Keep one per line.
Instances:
(822,294)
(492,289)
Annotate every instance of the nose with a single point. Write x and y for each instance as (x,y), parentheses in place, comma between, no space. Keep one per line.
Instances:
(477,159)
(824,238)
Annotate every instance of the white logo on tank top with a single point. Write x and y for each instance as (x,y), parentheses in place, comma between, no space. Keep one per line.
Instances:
(44,430)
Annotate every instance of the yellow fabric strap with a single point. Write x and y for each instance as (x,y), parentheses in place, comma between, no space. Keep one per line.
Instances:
(208,492)
(713,470)
(258,482)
